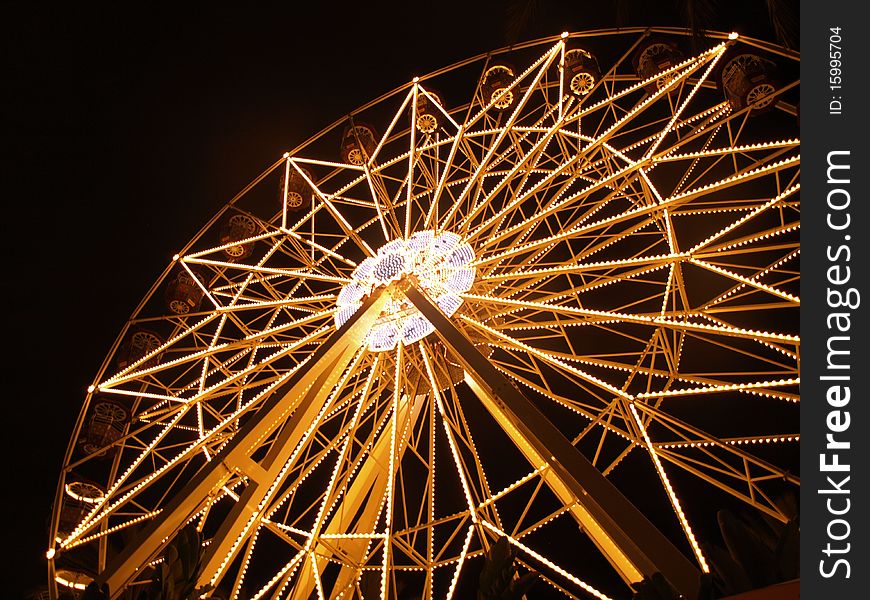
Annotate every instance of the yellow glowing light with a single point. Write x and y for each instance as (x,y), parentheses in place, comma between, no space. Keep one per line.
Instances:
(461,560)
(572,224)
(687,528)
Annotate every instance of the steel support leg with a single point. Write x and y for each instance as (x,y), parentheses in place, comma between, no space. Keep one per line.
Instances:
(299,395)
(625,536)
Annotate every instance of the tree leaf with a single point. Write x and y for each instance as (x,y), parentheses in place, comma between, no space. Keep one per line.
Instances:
(747,548)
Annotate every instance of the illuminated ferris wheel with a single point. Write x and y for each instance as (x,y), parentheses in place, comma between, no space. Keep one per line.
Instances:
(532,296)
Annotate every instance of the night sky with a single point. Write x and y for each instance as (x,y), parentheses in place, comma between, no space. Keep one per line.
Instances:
(125,130)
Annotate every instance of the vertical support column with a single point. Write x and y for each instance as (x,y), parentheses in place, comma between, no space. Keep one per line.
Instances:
(632,544)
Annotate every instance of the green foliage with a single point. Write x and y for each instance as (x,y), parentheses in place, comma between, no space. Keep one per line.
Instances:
(759,551)
(176,576)
(498,578)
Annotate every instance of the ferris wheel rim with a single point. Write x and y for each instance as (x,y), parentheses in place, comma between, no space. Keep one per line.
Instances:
(310,140)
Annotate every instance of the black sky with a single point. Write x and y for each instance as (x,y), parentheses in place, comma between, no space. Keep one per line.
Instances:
(126,126)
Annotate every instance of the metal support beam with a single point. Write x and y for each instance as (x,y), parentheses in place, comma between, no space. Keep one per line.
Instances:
(303,391)
(625,536)
(359,509)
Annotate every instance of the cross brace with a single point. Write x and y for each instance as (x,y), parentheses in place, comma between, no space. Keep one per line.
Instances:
(294,399)
(633,545)
(630,542)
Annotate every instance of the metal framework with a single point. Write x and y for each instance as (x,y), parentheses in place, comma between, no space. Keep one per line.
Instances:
(612,279)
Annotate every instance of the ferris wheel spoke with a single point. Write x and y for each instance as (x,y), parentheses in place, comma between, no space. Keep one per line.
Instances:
(632,283)
(699,384)
(685,102)
(581,248)
(729,244)
(342,502)
(608,414)
(607,181)
(281,458)
(527,252)
(754,383)
(654,320)
(780,156)
(386,209)
(744,480)
(727,151)
(109,502)
(724,465)
(595,381)
(427,178)
(583,585)
(577,228)
(690,65)
(343,223)
(765,241)
(672,495)
(629,362)
(780,348)
(197,257)
(315,246)
(256,269)
(591,408)
(457,463)
(524,162)
(351,545)
(284,350)
(412,160)
(541,65)
(697,125)
(151,354)
(621,256)
(280,580)
(306,467)
(449,167)
(747,281)
(620,122)
(540,274)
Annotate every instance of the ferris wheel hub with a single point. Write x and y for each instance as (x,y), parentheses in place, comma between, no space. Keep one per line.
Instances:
(594,243)
(441,264)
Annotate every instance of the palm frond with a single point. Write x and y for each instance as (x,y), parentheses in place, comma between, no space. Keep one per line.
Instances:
(783,20)
(699,15)
(518,15)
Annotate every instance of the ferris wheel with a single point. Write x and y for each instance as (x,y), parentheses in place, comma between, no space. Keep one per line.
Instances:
(548,294)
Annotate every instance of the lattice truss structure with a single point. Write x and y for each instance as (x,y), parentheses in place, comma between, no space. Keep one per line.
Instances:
(630,254)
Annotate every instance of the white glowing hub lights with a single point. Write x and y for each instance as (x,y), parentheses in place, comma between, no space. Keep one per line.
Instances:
(580,227)
(441,263)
